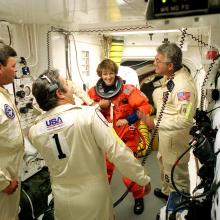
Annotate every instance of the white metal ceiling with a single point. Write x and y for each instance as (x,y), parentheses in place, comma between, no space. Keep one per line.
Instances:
(73,12)
(84,14)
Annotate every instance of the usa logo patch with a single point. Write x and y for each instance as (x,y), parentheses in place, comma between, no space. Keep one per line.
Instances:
(9,111)
(54,122)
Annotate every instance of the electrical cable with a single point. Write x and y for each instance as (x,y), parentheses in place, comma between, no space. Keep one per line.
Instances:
(9,32)
(101,30)
(213,109)
(67,49)
(184,34)
(98,114)
(67,44)
(178,208)
(172,173)
(9,35)
(183,37)
(205,80)
(70,60)
(197,71)
(30,202)
(173,182)
(139,64)
(77,61)
(170,86)
(48,49)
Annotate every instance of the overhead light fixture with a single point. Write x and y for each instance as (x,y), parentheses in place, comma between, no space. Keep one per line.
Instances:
(121,2)
(144,32)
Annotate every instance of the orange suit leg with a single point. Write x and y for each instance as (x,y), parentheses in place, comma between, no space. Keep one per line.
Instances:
(110,170)
(137,191)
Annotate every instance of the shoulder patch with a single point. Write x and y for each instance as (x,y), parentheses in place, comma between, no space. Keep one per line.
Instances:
(9,111)
(128,89)
(183,96)
(54,122)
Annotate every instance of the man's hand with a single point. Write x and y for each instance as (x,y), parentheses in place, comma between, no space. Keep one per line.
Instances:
(149,121)
(11,187)
(147,189)
(104,103)
(121,122)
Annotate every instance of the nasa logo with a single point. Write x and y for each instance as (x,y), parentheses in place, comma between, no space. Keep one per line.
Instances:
(9,111)
(54,122)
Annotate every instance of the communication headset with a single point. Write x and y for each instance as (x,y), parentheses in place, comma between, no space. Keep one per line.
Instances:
(52,87)
(215,92)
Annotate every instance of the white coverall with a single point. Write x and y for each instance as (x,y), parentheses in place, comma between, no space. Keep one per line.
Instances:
(11,154)
(80,93)
(177,119)
(79,180)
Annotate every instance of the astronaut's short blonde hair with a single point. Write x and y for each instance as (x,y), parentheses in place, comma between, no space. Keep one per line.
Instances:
(107,64)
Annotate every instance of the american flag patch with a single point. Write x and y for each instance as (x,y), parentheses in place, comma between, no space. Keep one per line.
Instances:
(183,96)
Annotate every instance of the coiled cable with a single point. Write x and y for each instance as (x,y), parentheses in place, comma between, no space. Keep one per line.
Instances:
(48,50)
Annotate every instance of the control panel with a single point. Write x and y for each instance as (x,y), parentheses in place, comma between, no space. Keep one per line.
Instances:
(157,9)
(24,100)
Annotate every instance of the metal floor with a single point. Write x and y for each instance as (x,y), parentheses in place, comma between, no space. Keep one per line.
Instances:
(124,210)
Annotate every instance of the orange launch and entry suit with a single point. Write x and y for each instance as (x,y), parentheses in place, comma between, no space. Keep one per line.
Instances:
(125,103)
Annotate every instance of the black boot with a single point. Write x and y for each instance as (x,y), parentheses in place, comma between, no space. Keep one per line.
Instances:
(158,193)
(138,206)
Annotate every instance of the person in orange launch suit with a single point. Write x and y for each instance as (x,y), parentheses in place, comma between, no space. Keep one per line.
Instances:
(122,105)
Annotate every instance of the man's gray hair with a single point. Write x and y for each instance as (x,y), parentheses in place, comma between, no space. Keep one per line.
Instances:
(173,53)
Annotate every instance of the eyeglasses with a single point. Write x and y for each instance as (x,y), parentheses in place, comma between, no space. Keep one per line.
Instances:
(158,61)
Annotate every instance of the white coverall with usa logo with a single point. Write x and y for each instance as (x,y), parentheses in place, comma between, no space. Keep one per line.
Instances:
(73,140)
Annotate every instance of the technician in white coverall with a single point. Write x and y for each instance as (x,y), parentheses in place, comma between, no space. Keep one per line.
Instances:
(177,117)
(11,139)
(73,141)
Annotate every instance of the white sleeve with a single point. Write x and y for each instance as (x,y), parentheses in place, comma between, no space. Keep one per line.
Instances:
(79,92)
(117,152)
